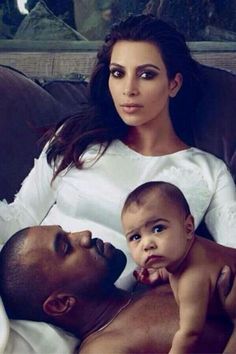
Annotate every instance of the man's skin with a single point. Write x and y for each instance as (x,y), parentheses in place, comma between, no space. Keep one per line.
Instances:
(148,320)
(148,326)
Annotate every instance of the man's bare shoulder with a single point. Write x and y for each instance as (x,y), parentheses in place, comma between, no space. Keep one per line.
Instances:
(106,343)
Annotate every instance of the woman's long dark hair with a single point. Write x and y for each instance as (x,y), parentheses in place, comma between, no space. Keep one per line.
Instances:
(98,122)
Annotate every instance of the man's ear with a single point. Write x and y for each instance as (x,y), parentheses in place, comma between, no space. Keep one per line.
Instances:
(58,304)
(175,84)
(189,226)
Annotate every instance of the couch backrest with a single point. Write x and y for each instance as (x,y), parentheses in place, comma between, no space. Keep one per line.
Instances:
(214,125)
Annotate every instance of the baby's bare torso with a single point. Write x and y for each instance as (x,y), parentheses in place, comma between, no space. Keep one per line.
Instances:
(206,258)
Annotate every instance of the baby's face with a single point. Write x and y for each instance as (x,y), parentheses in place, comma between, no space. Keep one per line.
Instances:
(157,232)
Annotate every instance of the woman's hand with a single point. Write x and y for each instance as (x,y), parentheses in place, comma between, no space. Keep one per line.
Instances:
(151,276)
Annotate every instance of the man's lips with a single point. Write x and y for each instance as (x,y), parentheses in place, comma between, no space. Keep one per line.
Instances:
(152,261)
(99,245)
(103,248)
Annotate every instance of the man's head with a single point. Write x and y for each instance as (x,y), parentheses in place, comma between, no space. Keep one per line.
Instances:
(44,271)
(158,225)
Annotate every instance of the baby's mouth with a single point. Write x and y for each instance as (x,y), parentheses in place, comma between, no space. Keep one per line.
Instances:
(153,261)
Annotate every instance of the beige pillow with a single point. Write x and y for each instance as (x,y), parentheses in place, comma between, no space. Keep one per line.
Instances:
(42,24)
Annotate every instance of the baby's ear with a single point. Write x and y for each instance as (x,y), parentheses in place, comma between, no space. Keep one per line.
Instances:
(189,226)
(58,304)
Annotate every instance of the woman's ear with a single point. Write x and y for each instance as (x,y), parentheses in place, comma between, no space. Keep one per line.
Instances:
(58,304)
(189,226)
(175,84)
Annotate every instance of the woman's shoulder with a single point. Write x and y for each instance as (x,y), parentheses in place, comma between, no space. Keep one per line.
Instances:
(202,155)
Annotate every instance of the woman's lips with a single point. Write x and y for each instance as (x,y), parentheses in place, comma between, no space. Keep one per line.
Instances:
(131,108)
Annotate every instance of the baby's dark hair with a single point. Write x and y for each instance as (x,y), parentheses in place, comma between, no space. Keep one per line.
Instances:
(167,189)
(22,286)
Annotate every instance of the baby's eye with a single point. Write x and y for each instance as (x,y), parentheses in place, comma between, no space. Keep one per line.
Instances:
(116,73)
(148,75)
(135,237)
(158,228)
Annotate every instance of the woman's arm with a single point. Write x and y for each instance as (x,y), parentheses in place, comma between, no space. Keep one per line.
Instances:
(31,203)
(221,214)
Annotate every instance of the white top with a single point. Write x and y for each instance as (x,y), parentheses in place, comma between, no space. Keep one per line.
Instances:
(92,198)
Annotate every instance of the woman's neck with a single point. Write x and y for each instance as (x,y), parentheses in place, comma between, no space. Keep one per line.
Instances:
(154,140)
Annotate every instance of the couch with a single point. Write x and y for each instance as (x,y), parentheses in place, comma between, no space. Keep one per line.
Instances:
(29,107)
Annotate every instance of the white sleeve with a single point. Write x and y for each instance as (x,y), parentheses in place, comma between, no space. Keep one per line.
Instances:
(31,203)
(221,214)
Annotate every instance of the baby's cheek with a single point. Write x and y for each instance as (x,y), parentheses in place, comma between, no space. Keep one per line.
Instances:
(136,256)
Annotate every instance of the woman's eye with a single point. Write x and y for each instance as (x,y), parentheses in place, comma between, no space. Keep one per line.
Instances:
(148,75)
(158,228)
(134,238)
(116,73)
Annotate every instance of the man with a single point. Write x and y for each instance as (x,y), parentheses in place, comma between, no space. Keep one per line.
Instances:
(67,279)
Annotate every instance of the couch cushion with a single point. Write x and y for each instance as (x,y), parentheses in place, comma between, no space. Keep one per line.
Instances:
(71,93)
(27,110)
(42,24)
(214,123)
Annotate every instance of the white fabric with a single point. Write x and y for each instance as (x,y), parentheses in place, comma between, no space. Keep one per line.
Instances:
(5,328)
(27,337)
(92,198)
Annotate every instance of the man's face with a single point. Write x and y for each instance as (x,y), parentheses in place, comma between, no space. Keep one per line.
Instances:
(73,261)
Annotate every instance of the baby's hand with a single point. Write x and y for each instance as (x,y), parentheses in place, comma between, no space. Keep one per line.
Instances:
(151,276)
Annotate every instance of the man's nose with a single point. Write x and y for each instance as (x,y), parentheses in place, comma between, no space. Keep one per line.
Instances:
(83,238)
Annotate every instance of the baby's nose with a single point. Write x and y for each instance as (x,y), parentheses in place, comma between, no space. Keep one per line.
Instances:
(149,245)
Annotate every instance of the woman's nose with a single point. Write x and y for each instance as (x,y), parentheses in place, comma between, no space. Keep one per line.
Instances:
(130,88)
(84,238)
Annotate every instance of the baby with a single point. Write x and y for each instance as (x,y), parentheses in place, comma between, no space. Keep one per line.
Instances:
(159,229)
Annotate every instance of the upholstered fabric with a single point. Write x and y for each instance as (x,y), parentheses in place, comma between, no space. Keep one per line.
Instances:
(214,125)
(26,111)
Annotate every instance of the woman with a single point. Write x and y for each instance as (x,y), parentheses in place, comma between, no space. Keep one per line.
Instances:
(124,138)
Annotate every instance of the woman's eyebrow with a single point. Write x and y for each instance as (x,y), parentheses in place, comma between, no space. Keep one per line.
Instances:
(117,65)
(139,67)
(148,65)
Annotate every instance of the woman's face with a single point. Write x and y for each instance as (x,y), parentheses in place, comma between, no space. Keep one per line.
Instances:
(138,82)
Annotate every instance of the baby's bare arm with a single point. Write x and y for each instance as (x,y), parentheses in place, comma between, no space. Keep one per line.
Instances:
(192,293)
